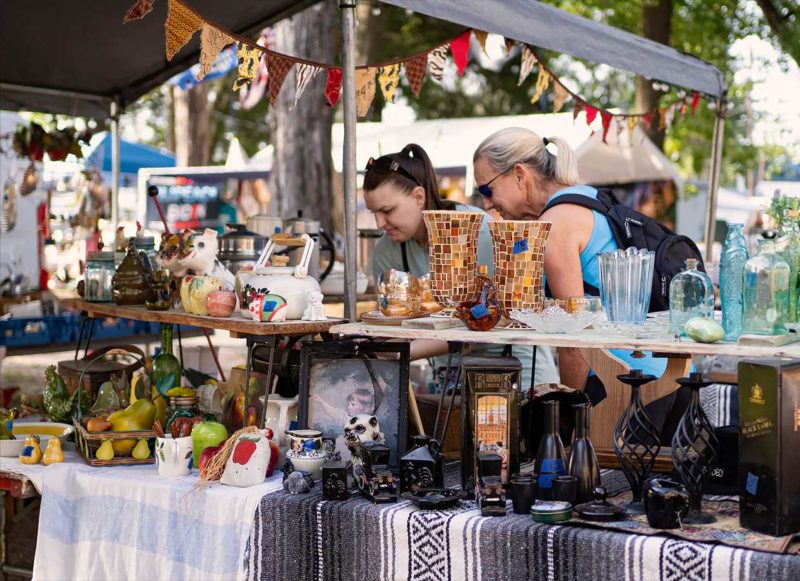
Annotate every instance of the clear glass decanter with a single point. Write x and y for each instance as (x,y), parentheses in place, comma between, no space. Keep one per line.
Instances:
(691,294)
(766,292)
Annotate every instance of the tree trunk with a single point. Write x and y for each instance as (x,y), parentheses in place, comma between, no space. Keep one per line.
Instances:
(656,25)
(302,171)
(192,124)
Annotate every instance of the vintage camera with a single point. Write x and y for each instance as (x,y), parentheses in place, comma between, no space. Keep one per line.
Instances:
(376,481)
(490,493)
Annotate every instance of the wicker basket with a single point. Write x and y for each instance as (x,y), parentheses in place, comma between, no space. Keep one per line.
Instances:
(88,442)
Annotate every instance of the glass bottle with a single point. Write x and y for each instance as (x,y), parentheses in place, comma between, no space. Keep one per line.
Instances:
(691,294)
(583,462)
(482,313)
(98,276)
(788,246)
(766,292)
(550,460)
(731,280)
(166,367)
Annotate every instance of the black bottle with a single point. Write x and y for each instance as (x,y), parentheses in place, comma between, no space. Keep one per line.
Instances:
(582,460)
(550,460)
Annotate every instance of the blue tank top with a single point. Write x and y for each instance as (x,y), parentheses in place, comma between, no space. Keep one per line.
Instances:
(602,240)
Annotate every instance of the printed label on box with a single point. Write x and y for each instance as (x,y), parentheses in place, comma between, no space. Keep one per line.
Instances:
(751,485)
(520,246)
(554,466)
(479,311)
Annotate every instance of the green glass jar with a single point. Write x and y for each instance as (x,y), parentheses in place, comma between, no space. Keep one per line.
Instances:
(167,370)
(766,292)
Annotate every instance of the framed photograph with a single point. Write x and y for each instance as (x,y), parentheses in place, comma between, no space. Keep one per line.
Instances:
(340,380)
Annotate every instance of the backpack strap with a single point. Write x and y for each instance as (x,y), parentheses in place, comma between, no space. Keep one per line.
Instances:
(404,252)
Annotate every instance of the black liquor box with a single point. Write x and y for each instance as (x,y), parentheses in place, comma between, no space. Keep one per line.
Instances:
(769,446)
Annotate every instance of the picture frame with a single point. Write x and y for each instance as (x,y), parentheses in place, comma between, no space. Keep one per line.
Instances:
(343,378)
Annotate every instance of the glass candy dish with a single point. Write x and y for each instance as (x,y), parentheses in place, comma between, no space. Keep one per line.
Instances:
(554,319)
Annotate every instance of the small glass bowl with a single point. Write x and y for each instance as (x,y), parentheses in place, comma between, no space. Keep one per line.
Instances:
(554,319)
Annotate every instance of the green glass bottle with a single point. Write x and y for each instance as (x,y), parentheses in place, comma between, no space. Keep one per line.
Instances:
(166,367)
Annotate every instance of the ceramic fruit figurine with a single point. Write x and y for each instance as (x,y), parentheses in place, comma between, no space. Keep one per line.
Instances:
(141,451)
(53,453)
(221,303)
(31,452)
(207,434)
(137,416)
(199,254)
(105,451)
(314,310)
(197,291)
(269,308)
(132,283)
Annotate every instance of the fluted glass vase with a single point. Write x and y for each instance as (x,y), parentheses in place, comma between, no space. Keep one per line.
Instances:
(731,281)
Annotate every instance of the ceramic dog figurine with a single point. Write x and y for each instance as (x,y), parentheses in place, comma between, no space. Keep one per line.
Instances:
(314,310)
(358,430)
(199,254)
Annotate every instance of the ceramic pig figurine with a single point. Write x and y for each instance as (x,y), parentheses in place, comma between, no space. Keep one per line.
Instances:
(199,254)
(268,308)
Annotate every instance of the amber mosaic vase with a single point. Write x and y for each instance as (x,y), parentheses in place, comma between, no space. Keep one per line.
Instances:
(518,265)
(453,252)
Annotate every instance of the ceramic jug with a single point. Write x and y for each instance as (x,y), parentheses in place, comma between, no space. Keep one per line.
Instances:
(290,282)
(174,456)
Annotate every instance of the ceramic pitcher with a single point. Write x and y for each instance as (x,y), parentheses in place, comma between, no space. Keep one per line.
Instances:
(174,456)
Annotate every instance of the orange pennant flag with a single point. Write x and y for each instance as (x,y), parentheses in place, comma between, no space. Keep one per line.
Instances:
(560,95)
(389,78)
(365,89)
(542,82)
(180,26)
(212,41)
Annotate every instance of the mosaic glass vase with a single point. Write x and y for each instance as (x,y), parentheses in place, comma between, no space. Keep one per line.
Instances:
(636,441)
(731,280)
(518,265)
(453,254)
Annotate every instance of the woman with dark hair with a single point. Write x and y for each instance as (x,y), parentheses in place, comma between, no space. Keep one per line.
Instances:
(398,187)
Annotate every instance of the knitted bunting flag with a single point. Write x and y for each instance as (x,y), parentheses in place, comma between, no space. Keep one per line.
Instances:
(247,57)
(560,95)
(278,68)
(576,109)
(632,123)
(365,89)
(481,36)
(542,82)
(212,41)
(436,60)
(695,101)
(333,86)
(304,74)
(605,116)
(139,10)
(528,60)
(591,113)
(180,26)
(460,50)
(389,77)
(415,72)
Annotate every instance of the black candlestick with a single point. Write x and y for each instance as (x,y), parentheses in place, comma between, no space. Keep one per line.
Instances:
(694,449)
(636,440)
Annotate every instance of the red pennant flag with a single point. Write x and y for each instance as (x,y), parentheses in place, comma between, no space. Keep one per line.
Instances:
(695,101)
(278,68)
(334,85)
(460,50)
(591,113)
(648,120)
(576,109)
(605,116)
(140,9)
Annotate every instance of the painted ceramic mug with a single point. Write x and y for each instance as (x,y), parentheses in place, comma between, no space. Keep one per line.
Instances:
(304,441)
(174,456)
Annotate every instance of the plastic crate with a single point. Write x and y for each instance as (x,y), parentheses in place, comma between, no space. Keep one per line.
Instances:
(65,328)
(110,328)
(26,332)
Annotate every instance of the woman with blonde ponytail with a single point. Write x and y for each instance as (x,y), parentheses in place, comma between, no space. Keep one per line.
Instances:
(520,174)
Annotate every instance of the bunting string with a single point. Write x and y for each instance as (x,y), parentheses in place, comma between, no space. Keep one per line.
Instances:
(183,22)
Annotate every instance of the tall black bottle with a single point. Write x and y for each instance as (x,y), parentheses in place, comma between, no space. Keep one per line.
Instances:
(582,460)
(550,460)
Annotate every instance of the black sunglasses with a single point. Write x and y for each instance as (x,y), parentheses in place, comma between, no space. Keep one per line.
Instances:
(387,164)
(484,189)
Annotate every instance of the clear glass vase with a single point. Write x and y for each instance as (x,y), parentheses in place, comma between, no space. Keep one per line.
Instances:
(788,246)
(731,281)
(766,292)
(691,294)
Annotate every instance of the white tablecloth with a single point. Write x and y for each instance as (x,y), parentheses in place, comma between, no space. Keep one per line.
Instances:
(128,523)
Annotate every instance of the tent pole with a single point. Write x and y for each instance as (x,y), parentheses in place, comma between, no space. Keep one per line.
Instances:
(349,162)
(713,182)
(115,111)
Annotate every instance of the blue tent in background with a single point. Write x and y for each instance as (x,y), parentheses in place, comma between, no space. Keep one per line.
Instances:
(133,156)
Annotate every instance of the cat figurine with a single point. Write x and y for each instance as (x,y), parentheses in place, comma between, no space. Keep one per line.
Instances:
(199,254)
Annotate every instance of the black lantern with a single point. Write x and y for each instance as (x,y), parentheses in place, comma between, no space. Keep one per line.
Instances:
(422,466)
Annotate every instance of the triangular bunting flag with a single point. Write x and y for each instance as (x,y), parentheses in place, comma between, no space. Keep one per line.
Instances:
(388,78)
(365,89)
(415,72)
(247,57)
(576,109)
(591,113)
(333,86)
(459,47)
(619,126)
(542,82)
(212,41)
(632,123)
(139,10)
(527,61)
(683,107)
(510,44)
(605,117)
(669,114)
(695,101)
(180,26)
(436,60)
(481,36)
(304,74)
(560,95)
(662,118)
(278,68)
(648,121)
